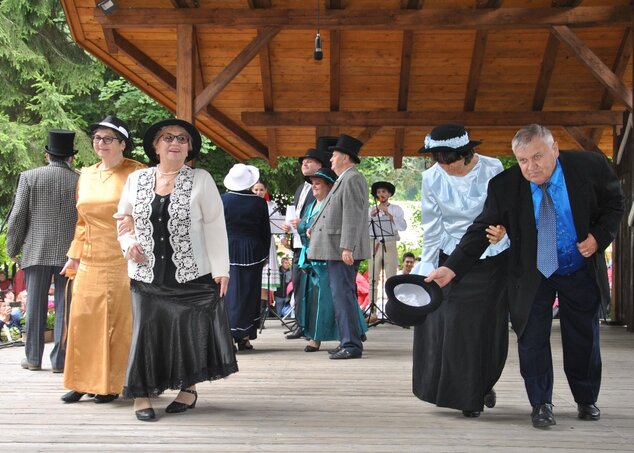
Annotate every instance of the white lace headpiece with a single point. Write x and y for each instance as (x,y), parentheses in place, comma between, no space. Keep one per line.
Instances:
(454,142)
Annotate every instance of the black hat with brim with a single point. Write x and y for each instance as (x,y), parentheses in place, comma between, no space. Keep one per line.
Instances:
(410,299)
(382,185)
(348,145)
(448,137)
(114,123)
(324,173)
(321,152)
(150,135)
(60,143)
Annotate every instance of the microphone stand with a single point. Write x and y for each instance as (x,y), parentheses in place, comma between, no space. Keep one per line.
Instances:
(373,307)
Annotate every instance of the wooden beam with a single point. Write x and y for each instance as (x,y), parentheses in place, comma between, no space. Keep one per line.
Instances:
(582,139)
(598,69)
(370,18)
(185,73)
(367,133)
(335,70)
(618,68)
(233,128)
(159,72)
(399,145)
(234,68)
(431,118)
(565,3)
(477,60)
(545,72)
(271,140)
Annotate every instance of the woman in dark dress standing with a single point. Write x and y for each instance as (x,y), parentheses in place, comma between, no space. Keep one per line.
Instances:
(461,348)
(249,231)
(178,263)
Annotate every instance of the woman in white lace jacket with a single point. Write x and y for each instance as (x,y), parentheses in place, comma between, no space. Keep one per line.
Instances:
(179,267)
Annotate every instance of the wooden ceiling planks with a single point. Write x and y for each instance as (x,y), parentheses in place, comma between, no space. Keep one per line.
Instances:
(561,62)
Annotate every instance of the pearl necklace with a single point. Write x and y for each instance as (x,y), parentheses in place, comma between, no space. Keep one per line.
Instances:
(168,172)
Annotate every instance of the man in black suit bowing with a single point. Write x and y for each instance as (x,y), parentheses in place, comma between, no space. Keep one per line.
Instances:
(313,160)
(561,210)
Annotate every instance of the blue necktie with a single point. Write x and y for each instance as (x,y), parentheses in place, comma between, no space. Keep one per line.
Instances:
(547,262)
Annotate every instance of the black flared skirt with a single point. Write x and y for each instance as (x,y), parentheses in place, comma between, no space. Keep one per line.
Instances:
(460,350)
(180,337)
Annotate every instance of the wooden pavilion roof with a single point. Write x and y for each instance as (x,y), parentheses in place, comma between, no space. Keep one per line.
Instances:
(244,71)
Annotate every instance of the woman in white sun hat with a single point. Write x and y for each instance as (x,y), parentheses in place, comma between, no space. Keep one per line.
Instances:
(247,219)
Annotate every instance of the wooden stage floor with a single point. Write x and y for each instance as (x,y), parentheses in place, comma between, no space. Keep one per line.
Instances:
(284,399)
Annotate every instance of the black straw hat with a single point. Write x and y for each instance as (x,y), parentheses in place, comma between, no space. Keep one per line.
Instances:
(384,185)
(410,299)
(60,143)
(322,152)
(348,145)
(150,135)
(448,137)
(324,173)
(114,123)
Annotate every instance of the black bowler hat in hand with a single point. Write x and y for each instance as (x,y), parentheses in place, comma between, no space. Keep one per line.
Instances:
(60,143)
(322,153)
(348,145)
(410,299)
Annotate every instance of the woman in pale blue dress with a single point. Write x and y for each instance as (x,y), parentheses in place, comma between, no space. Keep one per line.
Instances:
(315,311)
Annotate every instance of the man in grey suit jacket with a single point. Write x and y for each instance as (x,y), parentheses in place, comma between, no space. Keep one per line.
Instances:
(41,226)
(576,199)
(339,235)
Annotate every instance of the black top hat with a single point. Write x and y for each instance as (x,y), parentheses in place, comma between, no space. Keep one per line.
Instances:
(448,137)
(410,299)
(114,123)
(60,143)
(322,153)
(382,184)
(150,135)
(348,145)
(324,173)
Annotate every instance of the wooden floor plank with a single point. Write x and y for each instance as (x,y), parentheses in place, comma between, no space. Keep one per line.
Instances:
(284,399)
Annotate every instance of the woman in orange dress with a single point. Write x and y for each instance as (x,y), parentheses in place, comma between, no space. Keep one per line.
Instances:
(100,323)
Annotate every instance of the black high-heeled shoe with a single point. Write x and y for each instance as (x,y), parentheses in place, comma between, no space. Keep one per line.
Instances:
(244,345)
(101,399)
(175,406)
(72,396)
(146,415)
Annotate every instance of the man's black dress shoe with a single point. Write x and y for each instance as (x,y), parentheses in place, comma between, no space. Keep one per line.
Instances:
(72,396)
(310,348)
(471,414)
(542,415)
(295,334)
(175,407)
(345,354)
(490,399)
(101,399)
(334,351)
(145,415)
(588,412)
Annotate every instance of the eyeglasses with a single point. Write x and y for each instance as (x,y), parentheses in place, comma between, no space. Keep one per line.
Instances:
(107,139)
(180,139)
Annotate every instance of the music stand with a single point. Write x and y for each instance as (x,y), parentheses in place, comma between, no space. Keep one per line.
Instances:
(380,229)
(276,219)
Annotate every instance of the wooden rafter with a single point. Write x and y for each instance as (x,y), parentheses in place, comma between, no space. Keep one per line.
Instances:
(623,56)
(234,67)
(477,58)
(267,85)
(427,118)
(335,67)
(598,69)
(367,133)
(185,73)
(403,84)
(364,19)
(582,139)
(545,72)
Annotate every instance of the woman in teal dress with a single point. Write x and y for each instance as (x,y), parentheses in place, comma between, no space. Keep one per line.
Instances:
(315,311)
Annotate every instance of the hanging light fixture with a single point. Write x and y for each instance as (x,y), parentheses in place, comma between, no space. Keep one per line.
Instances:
(107,6)
(318,54)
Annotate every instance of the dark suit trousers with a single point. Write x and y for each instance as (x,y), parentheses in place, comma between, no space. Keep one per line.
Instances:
(343,283)
(579,320)
(38,281)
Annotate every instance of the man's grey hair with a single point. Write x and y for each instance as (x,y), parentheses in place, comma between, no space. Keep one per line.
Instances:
(528,133)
